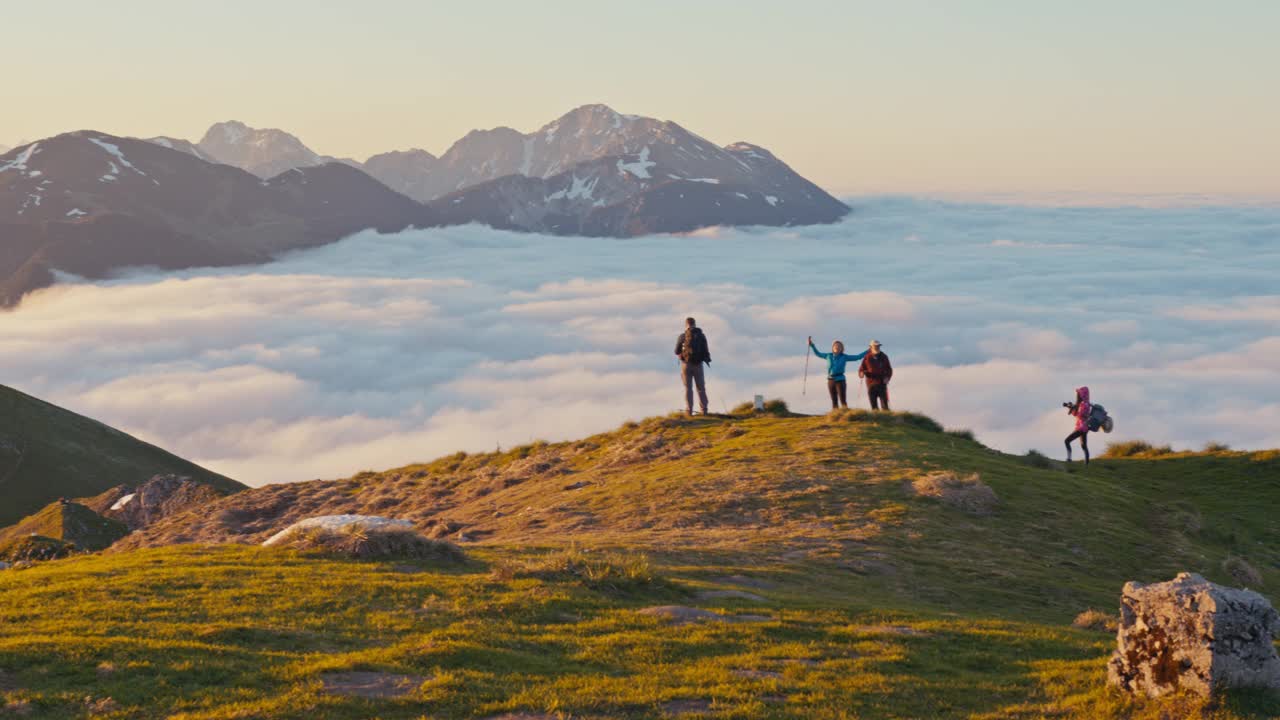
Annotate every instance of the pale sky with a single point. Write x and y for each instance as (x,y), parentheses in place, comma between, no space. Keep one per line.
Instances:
(1118,96)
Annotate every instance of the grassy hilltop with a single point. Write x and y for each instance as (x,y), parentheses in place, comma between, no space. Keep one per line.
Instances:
(846,566)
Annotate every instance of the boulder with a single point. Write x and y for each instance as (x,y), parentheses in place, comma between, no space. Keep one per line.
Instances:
(339,522)
(1190,634)
(160,497)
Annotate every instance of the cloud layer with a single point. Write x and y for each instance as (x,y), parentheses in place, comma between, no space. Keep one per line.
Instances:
(386,349)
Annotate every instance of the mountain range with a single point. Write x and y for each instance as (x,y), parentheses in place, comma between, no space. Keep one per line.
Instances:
(89,204)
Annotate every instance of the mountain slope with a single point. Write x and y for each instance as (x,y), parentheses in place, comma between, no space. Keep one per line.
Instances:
(47,453)
(90,204)
(629,195)
(745,566)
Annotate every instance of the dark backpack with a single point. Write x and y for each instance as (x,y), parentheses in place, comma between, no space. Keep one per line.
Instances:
(694,348)
(1097,417)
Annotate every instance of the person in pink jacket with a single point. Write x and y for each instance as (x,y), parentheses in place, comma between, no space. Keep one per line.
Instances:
(1081,409)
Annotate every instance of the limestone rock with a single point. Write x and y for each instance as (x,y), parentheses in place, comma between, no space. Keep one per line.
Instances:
(337,522)
(1190,634)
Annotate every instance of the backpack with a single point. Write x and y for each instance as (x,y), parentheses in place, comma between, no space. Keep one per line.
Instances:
(694,348)
(1099,419)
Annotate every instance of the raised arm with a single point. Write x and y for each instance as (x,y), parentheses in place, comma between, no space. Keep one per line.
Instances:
(859,356)
(818,352)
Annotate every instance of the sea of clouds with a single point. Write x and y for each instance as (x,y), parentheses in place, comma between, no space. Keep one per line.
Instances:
(386,349)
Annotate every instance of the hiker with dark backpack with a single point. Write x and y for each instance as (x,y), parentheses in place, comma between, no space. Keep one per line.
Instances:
(692,349)
(836,360)
(1090,417)
(877,371)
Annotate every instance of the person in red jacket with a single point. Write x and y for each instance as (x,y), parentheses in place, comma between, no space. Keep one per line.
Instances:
(876,370)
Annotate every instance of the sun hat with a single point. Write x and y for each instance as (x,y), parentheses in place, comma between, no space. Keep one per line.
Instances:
(874,343)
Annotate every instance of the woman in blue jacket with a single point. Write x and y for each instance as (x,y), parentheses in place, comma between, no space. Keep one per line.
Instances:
(836,360)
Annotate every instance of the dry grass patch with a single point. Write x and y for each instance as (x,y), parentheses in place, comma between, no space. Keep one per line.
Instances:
(967,493)
(600,570)
(1242,572)
(1136,449)
(1093,619)
(360,543)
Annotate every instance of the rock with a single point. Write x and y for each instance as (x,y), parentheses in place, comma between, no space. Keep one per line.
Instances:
(336,522)
(730,595)
(686,707)
(160,497)
(681,615)
(758,674)
(1190,634)
(968,494)
(745,581)
(374,685)
(4,565)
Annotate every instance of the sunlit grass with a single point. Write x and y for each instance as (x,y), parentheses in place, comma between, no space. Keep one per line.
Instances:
(871,602)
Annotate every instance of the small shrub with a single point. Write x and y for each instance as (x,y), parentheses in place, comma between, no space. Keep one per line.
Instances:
(607,570)
(1178,516)
(1217,447)
(1098,620)
(968,494)
(1242,572)
(1135,449)
(1037,459)
(963,434)
(776,406)
(359,543)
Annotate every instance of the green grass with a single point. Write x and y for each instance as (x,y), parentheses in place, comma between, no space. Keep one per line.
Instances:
(878,604)
(47,452)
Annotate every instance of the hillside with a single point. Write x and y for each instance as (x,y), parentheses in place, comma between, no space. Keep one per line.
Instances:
(47,453)
(71,523)
(811,579)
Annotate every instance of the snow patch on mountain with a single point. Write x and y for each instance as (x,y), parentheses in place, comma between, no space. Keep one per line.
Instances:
(640,168)
(125,500)
(20,163)
(114,151)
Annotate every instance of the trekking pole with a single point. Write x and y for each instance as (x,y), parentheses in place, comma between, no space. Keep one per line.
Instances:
(804,389)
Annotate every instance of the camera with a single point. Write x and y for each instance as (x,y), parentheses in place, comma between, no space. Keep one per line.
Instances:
(1068,405)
